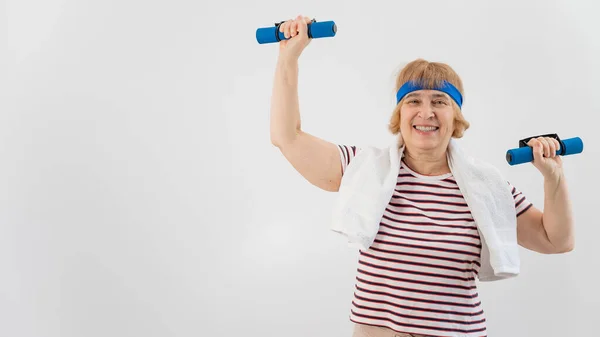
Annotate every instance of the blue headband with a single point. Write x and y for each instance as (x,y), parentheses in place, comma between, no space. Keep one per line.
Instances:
(446,87)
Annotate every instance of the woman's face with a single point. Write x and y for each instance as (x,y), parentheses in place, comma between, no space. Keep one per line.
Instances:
(427,120)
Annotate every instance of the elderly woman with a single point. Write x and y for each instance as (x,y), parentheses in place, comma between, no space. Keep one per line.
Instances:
(418,276)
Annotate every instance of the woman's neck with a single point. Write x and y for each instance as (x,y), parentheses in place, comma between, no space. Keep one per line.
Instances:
(427,163)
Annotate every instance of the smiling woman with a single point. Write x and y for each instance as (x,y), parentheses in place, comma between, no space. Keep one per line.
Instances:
(418,276)
(417,269)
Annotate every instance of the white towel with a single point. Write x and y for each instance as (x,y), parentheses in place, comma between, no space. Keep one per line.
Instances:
(368,184)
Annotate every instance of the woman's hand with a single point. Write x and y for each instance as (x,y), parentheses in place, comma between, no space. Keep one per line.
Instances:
(545,158)
(297,32)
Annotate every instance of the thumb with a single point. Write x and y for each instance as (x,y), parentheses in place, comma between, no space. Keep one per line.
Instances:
(303,25)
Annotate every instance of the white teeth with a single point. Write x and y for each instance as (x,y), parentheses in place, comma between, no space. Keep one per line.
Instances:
(426,128)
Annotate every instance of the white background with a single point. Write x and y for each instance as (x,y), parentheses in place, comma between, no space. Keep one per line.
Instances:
(140,194)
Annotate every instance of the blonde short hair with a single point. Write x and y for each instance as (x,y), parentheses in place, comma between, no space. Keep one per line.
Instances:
(430,75)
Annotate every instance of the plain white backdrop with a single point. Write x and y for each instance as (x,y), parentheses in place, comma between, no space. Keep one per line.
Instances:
(140,194)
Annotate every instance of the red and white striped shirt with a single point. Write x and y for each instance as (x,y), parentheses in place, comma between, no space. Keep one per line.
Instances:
(419,274)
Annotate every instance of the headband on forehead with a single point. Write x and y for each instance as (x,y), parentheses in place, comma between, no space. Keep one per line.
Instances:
(446,87)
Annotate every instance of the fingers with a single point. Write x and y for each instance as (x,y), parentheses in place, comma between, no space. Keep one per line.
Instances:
(556,144)
(553,144)
(293,31)
(545,146)
(291,28)
(285,28)
(302,24)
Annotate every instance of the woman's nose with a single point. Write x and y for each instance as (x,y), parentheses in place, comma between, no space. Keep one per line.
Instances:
(427,112)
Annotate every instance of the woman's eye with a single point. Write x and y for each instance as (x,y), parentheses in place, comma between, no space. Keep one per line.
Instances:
(440,102)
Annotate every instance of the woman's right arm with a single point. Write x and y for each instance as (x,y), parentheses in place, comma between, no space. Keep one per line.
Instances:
(317,160)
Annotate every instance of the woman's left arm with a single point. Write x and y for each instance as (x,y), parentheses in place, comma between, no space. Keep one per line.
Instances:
(550,232)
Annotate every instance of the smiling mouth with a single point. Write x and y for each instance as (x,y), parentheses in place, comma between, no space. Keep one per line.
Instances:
(426,128)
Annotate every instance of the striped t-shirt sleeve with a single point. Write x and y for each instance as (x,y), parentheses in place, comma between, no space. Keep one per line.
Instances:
(522,204)
(347,152)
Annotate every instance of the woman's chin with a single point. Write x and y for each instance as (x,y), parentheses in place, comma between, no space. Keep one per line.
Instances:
(425,144)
